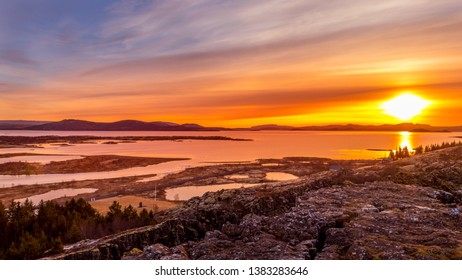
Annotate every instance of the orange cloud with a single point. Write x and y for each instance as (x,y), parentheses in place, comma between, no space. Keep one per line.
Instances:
(281,64)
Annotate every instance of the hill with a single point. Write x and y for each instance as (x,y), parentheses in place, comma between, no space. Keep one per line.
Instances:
(135,125)
(125,125)
(385,127)
(356,127)
(272,127)
(19,124)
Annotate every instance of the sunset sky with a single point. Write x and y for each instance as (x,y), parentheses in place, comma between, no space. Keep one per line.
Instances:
(229,63)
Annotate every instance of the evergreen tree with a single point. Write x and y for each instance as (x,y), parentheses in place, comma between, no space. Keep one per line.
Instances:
(29,232)
(3,229)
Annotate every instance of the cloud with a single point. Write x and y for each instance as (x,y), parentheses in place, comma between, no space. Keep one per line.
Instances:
(15,57)
(167,27)
(247,56)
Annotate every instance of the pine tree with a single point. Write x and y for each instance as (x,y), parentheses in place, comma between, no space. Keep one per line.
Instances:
(3,230)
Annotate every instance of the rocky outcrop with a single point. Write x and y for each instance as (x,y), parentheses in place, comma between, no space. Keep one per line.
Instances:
(170,233)
(352,214)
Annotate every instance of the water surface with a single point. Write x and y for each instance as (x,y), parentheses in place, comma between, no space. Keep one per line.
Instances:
(185,193)
(280,176)
(35,199)
(265,144)
(43,159)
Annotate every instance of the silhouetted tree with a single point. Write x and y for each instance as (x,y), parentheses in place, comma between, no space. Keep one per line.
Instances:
(419,150)
(404,152)
(3,230)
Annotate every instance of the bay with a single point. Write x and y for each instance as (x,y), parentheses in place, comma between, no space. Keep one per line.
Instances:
(264,144)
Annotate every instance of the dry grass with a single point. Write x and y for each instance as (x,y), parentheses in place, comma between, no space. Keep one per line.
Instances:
(102,205)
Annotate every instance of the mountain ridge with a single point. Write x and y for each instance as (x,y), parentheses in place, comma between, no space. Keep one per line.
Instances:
(136,125)
(123,125)
(18,124)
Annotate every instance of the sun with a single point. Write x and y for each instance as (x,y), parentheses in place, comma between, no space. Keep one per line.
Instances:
(405,106)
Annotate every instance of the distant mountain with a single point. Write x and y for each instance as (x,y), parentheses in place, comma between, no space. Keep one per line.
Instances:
(19,124)
(272,127)
(384,127)
(452,128)
(125,125)
(355,127)
(134,125)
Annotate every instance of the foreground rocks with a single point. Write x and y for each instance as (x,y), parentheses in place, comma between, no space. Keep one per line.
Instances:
(344,214)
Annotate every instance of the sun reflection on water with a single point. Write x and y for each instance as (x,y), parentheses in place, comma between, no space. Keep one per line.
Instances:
(405,140)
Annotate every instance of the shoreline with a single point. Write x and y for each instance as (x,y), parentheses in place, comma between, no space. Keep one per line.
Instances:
(248,173)
(96,163)
(36,141)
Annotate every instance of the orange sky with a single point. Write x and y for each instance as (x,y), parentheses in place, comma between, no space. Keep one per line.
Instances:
(234,64)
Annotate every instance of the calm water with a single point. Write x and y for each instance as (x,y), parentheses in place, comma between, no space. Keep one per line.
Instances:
(265,144)
(185,193)
(280,176)
(35,199)
(39,159)
(237,176)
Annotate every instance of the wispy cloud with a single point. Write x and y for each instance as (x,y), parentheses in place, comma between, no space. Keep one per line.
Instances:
(255,58)
(11,56)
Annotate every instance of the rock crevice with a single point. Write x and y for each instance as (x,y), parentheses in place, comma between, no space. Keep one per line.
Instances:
(357,214)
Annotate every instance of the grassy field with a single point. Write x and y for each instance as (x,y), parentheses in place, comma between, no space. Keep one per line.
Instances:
(102,205)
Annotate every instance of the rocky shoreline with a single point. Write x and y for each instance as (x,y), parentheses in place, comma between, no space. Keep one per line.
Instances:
(407,209)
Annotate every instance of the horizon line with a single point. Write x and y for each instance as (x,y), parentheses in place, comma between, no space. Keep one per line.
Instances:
(237,127)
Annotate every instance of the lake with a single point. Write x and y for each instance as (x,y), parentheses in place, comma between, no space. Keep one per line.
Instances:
(35,199)
(187,192)
(265,144)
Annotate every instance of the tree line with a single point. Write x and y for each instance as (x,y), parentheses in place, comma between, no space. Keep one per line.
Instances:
(404,152)
(31,232)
